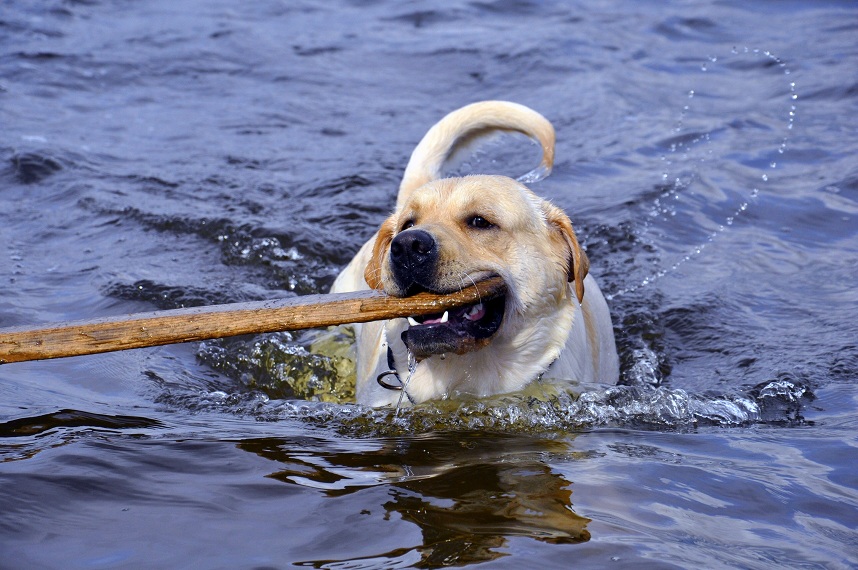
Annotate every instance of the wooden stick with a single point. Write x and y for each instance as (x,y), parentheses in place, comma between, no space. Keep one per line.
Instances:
(75,338)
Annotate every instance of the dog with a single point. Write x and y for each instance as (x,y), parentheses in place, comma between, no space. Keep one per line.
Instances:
(445,234)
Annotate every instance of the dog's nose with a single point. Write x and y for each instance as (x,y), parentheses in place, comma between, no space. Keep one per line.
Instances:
(413,254)
(414,244)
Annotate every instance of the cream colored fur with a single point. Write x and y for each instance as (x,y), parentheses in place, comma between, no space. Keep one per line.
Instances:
(556,322)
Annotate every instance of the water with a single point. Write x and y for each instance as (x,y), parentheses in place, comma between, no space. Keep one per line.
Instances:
(167,154)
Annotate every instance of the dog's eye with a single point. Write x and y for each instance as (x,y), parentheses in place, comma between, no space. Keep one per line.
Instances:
(479,223)
(406,225)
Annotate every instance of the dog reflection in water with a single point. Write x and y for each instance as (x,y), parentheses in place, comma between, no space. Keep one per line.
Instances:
(468,494)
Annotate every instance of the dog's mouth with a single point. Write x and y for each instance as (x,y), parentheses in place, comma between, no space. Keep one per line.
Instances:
(456,331)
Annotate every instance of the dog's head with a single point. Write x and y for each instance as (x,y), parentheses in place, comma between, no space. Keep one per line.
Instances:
(453,232)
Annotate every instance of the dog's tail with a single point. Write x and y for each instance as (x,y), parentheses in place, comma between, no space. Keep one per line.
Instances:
(466,124)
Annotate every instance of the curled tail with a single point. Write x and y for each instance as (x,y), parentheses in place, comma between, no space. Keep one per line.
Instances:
(467,123)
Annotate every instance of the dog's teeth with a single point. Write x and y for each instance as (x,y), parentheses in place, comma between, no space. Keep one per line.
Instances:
(446,317)
(472,313)
(413,322)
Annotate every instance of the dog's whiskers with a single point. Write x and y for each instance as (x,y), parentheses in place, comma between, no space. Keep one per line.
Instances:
(376,272)
(462,284)
(480,297)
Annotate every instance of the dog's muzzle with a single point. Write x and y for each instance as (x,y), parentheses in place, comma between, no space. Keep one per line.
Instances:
(414,264)
(456,331)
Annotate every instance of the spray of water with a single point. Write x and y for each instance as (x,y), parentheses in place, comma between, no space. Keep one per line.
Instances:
(412,366)
(675,184)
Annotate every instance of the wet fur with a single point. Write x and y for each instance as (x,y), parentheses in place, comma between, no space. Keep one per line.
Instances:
(556,321)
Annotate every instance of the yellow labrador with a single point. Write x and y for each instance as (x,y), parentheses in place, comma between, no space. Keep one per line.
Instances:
(448,233)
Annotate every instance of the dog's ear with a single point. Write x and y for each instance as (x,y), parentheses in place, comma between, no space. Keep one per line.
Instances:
(372,273)
(564,237)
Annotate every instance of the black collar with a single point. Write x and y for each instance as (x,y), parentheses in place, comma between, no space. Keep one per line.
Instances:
(400,385)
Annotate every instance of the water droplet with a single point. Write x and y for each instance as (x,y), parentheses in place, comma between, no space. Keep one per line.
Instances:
(535,175)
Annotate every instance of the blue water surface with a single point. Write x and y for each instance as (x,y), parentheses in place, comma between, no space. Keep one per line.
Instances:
(177,153)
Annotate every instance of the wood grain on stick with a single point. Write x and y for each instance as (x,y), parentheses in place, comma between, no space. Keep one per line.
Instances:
(75,338)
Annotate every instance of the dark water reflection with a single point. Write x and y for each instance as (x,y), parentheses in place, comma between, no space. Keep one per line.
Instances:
(466,492)
(187,152)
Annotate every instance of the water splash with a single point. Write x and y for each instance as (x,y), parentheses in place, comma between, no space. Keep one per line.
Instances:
(539,173)
(317,366)
(498,152)
(412,366)
(684,146)
(538,409)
